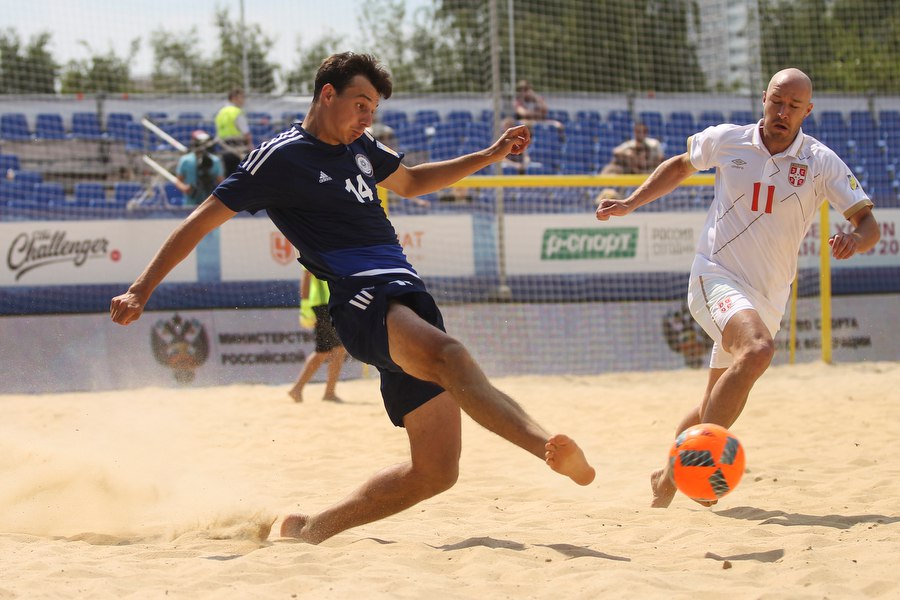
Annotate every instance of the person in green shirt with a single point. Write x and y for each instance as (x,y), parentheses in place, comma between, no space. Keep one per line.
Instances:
(314,296)
(233,131)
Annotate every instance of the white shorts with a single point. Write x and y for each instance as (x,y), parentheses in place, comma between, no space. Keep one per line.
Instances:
(713,301)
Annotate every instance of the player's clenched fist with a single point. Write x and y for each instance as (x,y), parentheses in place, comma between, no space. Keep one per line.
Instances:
(126,308)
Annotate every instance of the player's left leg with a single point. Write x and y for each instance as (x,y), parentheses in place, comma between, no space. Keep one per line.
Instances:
(434,431)
(749,341)
(661,479)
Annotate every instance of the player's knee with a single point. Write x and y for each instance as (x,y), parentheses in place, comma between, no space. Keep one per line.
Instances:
(440,477)
(758,355)
(451,357)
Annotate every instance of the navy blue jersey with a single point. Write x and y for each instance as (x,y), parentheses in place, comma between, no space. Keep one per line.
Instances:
(323,199)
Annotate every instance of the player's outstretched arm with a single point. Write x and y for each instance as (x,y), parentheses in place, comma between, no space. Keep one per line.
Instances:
(128,307)
(665,178)
(431,177)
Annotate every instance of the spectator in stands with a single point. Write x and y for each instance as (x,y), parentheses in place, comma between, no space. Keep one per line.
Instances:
(529,105)
(771,179)
(314,296)
(318,187)
(233,131)
(199,171)
(641,154)
(530,108)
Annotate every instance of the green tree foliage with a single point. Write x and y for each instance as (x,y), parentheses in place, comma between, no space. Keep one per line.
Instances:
(581,45)
(844,45)
(28,70)
(301,79)
(178,65)
(226,67)
(99,73)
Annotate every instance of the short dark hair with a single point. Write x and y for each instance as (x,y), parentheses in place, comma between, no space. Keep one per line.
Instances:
(234,92)
(339,69)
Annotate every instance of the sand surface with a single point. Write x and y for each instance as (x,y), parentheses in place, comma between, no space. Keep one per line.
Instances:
(169,493)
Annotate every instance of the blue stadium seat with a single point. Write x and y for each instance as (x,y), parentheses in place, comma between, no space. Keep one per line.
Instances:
(7,162)
(742,117)
(890,118)
(461,116)
(478,133)
(123,191)
(291,117)
(426,118)
(190,117)
(179,130)
(833,131)
(158,116)
(15,192)
(411,137)
(14,127)
(619,116)
(592,116)
(135,137)
(117,125)
(258,117)
(710,118)
(261,132)
(393,118)
(29,177)
(862,120)
(50,193)
(546,146)
(558,114)
(681,117)
(446,141)
(49,126)
(86,126)
(89,193)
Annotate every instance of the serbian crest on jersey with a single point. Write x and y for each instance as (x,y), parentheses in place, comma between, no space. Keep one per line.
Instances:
(797,174)
(362,161)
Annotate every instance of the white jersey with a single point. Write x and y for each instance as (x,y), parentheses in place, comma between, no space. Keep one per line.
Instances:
(764,205)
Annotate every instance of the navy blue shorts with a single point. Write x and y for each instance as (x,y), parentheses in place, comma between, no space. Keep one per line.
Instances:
(358,308)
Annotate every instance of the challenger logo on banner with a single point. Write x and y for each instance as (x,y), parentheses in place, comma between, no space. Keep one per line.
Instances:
(29,251)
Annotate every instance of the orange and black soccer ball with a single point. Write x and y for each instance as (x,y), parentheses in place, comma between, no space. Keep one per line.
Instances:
(707,462)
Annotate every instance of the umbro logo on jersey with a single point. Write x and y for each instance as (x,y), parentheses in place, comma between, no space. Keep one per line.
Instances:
(323,177)
(738,163)
(362,300)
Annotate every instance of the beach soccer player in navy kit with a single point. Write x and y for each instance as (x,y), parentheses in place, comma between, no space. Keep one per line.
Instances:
(316,182)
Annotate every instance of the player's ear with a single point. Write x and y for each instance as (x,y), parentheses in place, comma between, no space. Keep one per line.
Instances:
(328,92)
(808,110)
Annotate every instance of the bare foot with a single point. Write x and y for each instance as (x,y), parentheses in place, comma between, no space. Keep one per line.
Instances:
(294,525)
(332,398)
(664,490)
(296,394)
(564,456)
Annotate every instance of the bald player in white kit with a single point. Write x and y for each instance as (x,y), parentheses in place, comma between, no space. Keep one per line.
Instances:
(771,179)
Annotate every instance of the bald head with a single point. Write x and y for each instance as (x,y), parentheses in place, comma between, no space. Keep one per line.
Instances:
(793,79)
